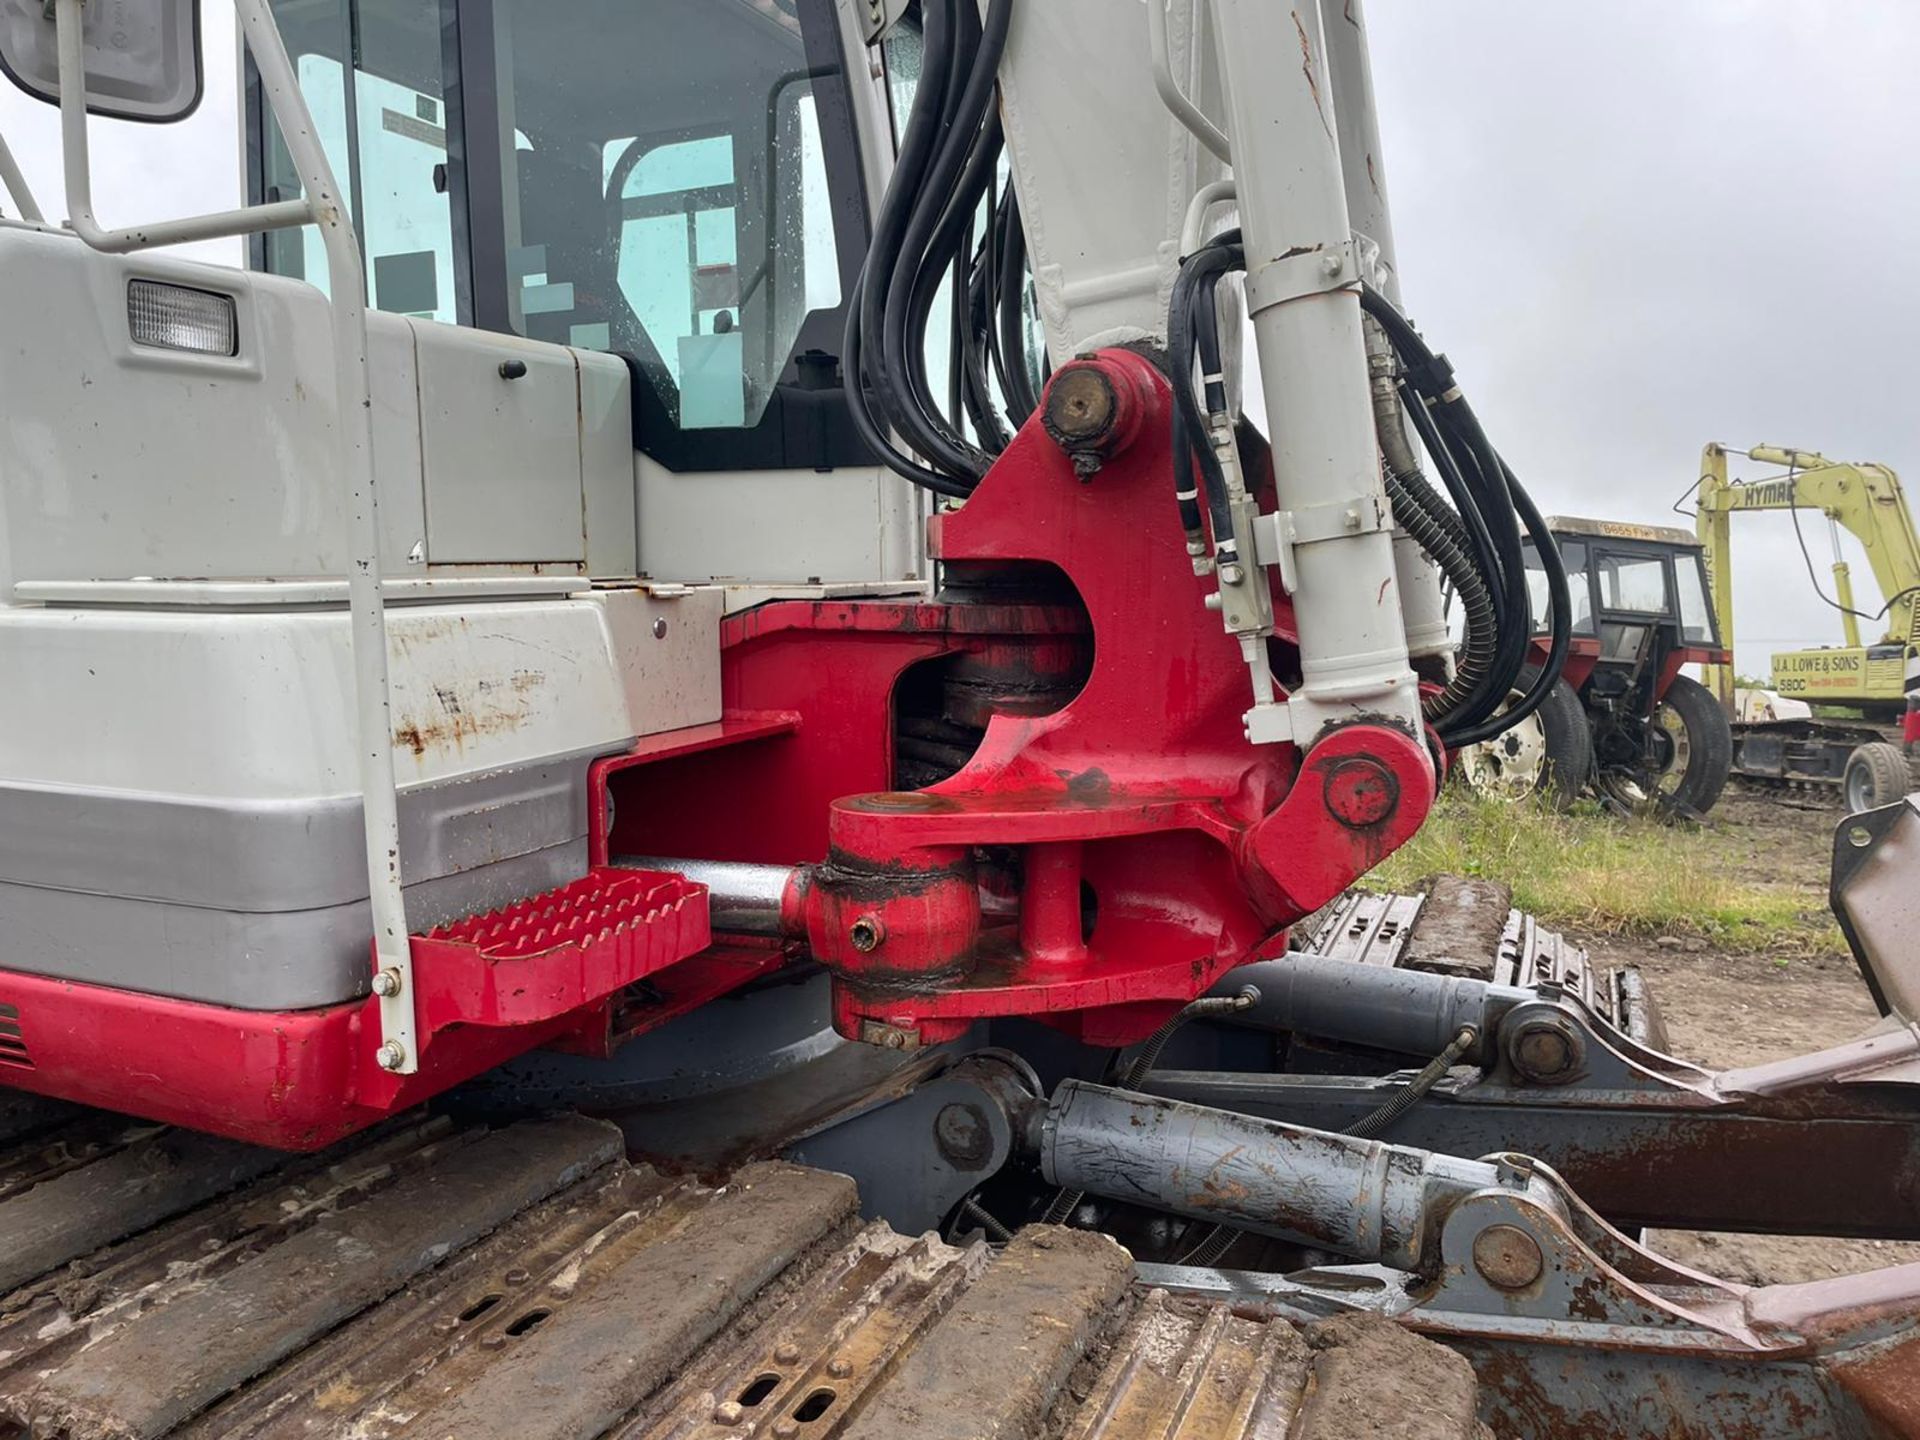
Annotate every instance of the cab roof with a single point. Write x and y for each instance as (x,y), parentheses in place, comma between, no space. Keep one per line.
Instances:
(1623,530)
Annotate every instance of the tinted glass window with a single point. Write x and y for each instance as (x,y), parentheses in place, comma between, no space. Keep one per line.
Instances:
(669,192)
(675,180)
(1696,614)
(394,170)
(1634,582)
(1573,555)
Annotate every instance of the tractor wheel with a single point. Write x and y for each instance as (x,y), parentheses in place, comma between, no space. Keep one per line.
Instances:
(1876,775)
(1549,754)
(1703,746)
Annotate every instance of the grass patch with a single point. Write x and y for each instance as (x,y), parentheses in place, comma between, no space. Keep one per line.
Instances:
(1610,875)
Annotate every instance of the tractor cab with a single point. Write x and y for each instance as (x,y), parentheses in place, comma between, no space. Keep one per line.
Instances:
(1640,607)
(1624,721)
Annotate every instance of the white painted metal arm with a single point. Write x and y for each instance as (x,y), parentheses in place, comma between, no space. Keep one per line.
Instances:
(1303,297)
(15,184)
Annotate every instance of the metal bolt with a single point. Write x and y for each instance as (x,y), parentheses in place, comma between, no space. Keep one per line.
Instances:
(660,629)
(729,1412)
(961,1133)
(1231,573)
(391,1055)
(1331,265)
(839,1367)
(893,1040)
(1547,1051)
(519,1275)
(386,983)
(1361,792)
(786,1352)
(866,933)
(1507,1257)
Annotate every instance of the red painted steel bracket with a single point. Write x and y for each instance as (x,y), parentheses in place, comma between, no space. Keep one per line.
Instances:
(1157,846)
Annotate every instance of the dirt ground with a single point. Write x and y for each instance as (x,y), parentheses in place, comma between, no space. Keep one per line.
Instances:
(1726,1008)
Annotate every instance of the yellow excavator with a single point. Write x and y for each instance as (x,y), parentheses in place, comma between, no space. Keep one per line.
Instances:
(1864,731)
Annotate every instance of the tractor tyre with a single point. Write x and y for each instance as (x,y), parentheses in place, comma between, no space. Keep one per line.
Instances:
(1876,775)
(1549,754)
(1709,754)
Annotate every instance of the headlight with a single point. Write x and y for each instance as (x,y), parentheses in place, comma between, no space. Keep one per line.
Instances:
(173,317)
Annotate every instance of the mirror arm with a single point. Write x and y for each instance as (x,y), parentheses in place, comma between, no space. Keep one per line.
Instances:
(15,184)
(79,173)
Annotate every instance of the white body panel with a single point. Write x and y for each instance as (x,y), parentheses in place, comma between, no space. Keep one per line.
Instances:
(256,705)
(119,461)
(853,525)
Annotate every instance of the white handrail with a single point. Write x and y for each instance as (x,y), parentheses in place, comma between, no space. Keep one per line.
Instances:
(322,204)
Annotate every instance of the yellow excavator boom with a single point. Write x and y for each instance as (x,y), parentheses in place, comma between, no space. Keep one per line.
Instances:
(1865,500)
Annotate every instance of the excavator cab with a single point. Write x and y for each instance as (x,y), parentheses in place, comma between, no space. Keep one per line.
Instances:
(674,182)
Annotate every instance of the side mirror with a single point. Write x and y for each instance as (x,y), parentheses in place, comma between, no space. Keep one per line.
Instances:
(142,57)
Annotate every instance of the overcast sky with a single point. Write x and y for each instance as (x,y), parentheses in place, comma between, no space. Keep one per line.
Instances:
(1634,226)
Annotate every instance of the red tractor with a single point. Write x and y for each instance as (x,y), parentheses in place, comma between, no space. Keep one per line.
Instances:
(1622,722)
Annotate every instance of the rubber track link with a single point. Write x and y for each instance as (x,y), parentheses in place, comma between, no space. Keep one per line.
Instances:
(526,1281)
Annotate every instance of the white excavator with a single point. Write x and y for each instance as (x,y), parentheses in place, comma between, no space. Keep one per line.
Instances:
(669,774)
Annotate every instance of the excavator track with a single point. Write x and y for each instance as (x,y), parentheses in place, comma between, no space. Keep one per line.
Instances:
(438,1280)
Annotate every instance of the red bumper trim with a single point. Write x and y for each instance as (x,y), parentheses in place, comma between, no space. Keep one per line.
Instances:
(548,970)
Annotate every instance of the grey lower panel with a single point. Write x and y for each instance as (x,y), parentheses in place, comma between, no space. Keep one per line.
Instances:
(280,855)
(247,959)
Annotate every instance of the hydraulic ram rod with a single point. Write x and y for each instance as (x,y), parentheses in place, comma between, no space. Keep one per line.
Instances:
(1409,1011)
(1357,1197)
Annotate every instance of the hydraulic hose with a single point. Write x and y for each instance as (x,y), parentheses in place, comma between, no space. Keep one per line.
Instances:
(1493,510)
(1420,516)
(924,233)
(974,62)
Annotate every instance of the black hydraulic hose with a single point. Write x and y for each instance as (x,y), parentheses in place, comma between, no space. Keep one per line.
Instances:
(871,435)
(1017,378)
(1485,490)
(1494,686)
(1372,1124)
(1191,439)
(862,335)
(948,246)
(987,264)
(975,63)
(1420,515)
(951,37)
(1560,633)
(1520,507)
(1486,477)
(978,354)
